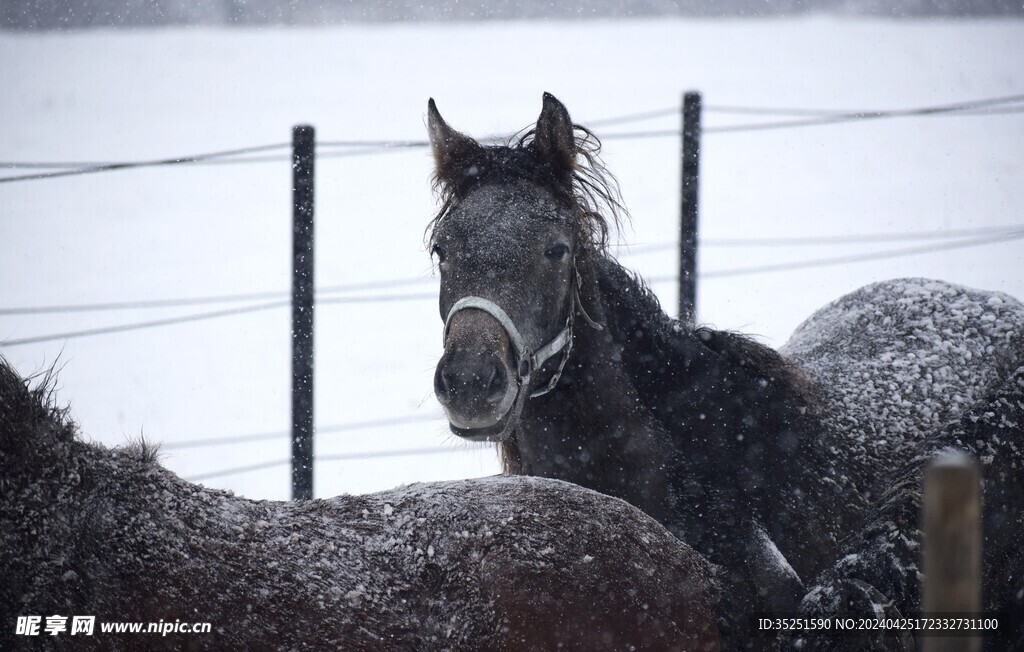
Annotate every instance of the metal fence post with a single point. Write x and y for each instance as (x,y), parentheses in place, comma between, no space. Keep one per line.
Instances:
(688,213)
(303,154)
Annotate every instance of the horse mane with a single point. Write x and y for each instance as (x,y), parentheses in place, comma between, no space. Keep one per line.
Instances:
(661,353)
(590,192)
(637,321)
(29,405)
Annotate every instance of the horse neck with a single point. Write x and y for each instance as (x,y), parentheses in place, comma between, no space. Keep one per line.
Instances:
(592,429)
(645,372)
(593,390)
(596,385)
(671,362)
(727,402)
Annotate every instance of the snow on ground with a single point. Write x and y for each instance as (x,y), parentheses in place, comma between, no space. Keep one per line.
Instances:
(222,229)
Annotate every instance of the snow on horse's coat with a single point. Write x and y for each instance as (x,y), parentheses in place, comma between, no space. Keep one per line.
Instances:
(913,368)
(486,564)
(900,359)
(779,467)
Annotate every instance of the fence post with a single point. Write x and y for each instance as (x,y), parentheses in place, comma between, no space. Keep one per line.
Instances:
(688,213)
(952,546)
(303,154)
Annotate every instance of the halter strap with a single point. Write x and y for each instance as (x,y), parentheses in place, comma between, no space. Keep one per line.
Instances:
(527,361)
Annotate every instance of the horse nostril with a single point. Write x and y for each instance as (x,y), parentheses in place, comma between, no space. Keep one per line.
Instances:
(497,383)
(448,381)
(484,381)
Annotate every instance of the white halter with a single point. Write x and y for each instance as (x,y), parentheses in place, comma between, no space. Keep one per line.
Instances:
(527,360)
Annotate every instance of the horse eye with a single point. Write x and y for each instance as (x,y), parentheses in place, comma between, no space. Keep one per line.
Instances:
(438,252)
(557,252)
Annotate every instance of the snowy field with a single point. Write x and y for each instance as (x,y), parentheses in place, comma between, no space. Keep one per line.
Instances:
(204,230)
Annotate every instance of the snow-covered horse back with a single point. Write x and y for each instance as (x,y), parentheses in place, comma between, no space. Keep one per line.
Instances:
(896,361)
(485,564)
(911,368)
(900,359)
(774,465)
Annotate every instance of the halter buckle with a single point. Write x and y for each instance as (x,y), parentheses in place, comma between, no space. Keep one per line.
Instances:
(525,366)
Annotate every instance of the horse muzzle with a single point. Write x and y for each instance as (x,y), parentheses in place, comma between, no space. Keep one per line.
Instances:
(476,391)
(465,392)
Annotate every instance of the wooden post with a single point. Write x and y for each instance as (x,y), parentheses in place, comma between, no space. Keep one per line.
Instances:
(688,212)
(952,546)
(303,154)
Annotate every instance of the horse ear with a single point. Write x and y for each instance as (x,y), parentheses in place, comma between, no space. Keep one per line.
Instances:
(452,150)
(554,140)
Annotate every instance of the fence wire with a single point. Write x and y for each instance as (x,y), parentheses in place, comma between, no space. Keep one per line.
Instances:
(353,148)
(1001,237)
(337,457)
(207,442)
(813,117)
(324,293)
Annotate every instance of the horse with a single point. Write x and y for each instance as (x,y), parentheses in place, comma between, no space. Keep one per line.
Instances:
(565,359)
(490,564)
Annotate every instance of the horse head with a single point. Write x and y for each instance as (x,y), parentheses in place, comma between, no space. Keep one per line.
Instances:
(517,224)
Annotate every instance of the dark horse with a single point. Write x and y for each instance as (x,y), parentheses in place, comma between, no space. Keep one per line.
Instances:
(486,565)
(566,359)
